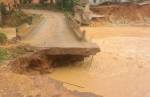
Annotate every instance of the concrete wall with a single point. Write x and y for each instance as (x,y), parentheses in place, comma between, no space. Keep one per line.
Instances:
(96,2)
(38,1)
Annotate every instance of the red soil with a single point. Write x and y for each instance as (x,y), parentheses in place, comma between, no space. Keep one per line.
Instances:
(130,12)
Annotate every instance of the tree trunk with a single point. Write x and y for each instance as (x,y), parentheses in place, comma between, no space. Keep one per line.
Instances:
(1,18)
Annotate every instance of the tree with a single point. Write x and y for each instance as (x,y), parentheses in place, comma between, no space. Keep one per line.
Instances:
(3,9)
(66,4)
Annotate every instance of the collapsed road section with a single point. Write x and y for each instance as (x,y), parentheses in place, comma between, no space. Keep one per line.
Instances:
(55,35)
(56,41)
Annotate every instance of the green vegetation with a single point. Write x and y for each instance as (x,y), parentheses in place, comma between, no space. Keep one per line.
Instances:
(13,17)
(16,18)
(3,38)
(66,4)
(38,6)
(3,9)
(25,1)
(3,54)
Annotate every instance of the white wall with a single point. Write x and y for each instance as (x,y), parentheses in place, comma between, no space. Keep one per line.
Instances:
(93,3)
(101,1)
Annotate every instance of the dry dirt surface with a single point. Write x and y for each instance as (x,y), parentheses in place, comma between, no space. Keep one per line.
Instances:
(14,85)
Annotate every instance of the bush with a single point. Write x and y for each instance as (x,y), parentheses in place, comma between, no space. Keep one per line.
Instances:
(3,9)
(67,5)
(3,54)
(3,38)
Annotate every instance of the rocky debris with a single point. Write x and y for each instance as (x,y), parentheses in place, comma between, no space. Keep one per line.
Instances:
(82,14)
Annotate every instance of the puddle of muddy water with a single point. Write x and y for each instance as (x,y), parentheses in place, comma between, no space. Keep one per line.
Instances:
(114,72)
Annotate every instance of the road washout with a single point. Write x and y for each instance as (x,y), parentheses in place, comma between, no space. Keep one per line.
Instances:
(52,47)
(27,75)
(121,69)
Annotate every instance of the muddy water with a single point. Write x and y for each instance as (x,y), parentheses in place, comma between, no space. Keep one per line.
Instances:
(120,70)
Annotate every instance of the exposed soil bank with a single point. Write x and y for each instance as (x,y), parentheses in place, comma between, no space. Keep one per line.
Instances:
(123,13)
(42,63)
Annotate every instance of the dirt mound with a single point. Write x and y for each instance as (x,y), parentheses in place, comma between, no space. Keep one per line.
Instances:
(41,62)
(123,13)
(145,10)
(26,63)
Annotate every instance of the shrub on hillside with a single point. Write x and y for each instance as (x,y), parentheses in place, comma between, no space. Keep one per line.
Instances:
(3,9)
(3,54)
(3,38)
(16,18)
(67,5)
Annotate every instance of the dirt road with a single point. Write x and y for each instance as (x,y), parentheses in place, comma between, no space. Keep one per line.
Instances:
(52,31)
(55,34)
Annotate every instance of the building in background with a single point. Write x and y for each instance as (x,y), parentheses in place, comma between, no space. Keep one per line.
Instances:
(45,1)
(35,1)
(97,2)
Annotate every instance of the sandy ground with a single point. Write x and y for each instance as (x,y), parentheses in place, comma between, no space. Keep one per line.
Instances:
(121,69)
(17,85)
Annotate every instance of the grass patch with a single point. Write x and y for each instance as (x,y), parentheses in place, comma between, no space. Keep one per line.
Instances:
(4,55)
(3,38)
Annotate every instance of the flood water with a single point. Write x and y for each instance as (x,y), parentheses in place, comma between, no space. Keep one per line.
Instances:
(121,69)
